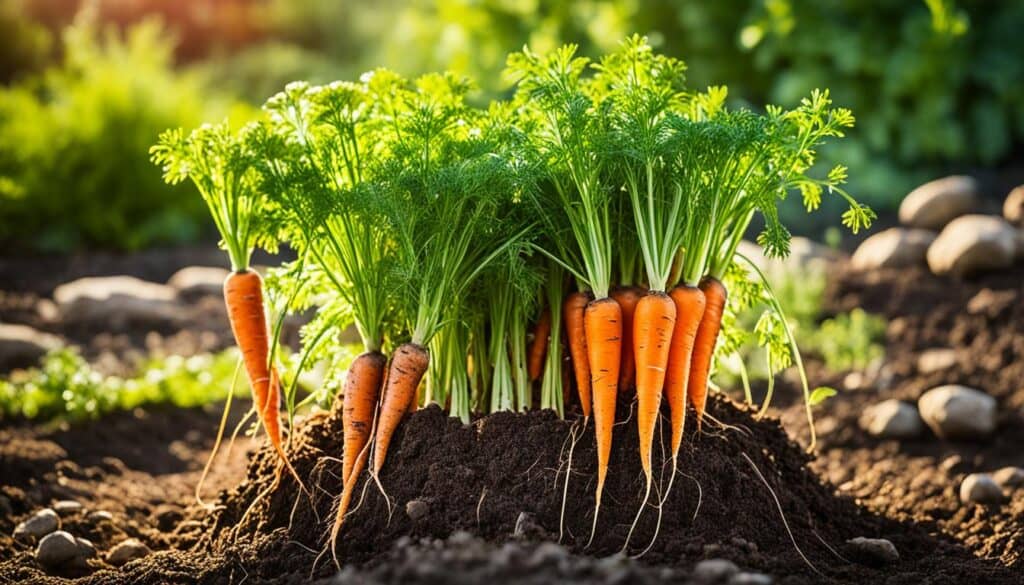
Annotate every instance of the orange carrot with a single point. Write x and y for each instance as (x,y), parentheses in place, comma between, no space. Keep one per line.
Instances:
(539,347)
(408,364)
(361,391)
(689,301)
(704,344)
(243,295)
(627,297)
(574,310)
(654,323)
(603,324)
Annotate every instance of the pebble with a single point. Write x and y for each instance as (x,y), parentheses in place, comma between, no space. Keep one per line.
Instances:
(416,509)
(101,516)
(38,525)
(199,280)
(892,419)
(65,508)
(57,549)
(972,244)
(21,346)
(714,570)
(934,204)
(893,248)
(751,579)
(527,526)
(936,360)
(126,551)
(980,488)
(875,550)
(1013,207)
(1009,477)
(991,303)
(958,412)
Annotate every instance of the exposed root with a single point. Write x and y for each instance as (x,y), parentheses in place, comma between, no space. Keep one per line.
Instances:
(568,472)
(782,514)
(480,503)
(220,436)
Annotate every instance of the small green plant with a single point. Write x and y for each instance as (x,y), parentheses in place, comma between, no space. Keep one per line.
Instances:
(848,341)
(66,387)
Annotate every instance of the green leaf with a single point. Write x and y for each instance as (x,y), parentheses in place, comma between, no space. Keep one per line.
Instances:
(821,394)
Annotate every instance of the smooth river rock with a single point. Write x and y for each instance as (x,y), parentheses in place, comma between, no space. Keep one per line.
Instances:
(972,244)
(934,204)
(893,248)
(958,412)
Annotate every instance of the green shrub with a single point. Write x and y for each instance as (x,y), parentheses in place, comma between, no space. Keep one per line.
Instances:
(74,163)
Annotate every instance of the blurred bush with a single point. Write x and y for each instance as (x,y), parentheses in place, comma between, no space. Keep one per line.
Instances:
(74,140)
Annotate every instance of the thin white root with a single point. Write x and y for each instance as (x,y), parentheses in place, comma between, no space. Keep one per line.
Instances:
(568,473)
(220,437)
(782,515)
(639,513)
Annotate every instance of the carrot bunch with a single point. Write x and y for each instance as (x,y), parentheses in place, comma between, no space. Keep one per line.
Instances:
(603,205)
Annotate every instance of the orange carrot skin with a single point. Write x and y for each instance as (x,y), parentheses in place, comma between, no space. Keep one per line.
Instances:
(408,365)
(574,311)
(243,295)
(689,301)
(603,325)
(359,400)
(627,297)
(654,323)
(539,347)
(704,343)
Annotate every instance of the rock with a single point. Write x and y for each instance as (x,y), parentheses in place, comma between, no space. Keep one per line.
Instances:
(116,301)
(854,381)
(527,526)
(101,516)
(1009,478)
(65,508)
(936,360)
(714,571)
(127,550)
(193,281)
(958,412)
(873,550)
(892,419)
(38,525)
(21,346)
(1013,207)
(973,244)
(893,248)
(86,550)
(991,303)
(980,488)
(934,204)
(417,509)
(751,579)
(57,549)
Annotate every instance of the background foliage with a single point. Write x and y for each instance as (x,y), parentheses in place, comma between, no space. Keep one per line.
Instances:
(937,85)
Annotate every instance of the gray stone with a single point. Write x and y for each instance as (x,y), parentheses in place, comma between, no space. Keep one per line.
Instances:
(57,549)
(101,516)
(38,525)
(86,550)
(199,280)
(127,550)
(892,419)
(936,360)
(527,526)
(21,346)
(893,248)
(980,488)
(877,550)
(934,204)
(417,509)
(65,508)
(116,301)
(1013,207)
(714,570)
(751,579)
(1009,478)
(958,412)
(972,244)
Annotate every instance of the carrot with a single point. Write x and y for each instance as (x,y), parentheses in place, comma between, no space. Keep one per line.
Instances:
(361,391)
(243,295)
(627,297)
(603,324)
(408,364)
(538,349)
(654,324)
(574,309)
(704,343)
(689,301)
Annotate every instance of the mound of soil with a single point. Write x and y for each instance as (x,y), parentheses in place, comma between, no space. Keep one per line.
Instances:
(743,486)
